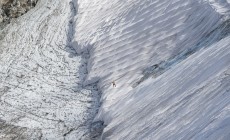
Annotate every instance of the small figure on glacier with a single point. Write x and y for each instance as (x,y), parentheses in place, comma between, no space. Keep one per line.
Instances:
(114,84)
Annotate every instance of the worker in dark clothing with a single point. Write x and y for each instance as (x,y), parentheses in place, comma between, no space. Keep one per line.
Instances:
(114,84)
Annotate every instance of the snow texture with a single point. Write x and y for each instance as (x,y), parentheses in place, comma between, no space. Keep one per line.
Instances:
(41,77)
(170,60)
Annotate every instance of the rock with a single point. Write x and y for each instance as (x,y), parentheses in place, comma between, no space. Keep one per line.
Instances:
(14,8)
(1,18)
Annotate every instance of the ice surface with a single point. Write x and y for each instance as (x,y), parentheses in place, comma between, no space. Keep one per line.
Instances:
(41,78)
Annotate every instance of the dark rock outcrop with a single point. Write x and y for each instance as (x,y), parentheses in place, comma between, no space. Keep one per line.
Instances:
(14,8)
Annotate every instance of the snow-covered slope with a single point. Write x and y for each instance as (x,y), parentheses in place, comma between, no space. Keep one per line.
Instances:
(48,89)
(189,101)
(125,38)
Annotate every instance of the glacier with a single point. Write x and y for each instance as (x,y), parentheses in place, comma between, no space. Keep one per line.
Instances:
(170,61)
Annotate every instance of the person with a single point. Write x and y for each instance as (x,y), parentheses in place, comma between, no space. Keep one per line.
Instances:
(114,84)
